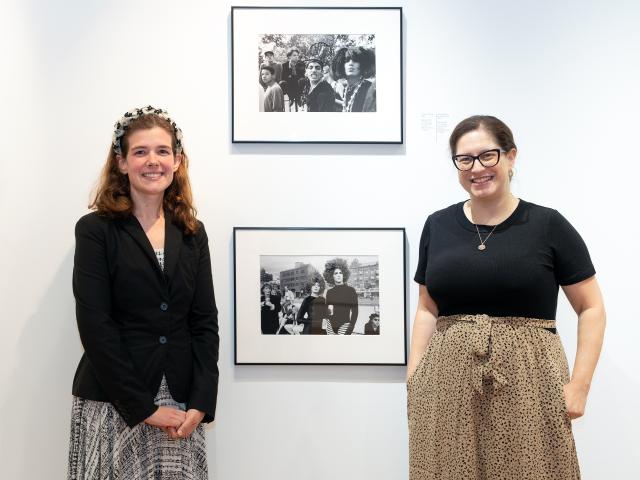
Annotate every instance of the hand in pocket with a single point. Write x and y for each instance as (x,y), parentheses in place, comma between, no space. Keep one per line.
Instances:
(575,399)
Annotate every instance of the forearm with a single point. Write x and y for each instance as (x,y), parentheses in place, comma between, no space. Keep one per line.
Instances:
(109,359)
(424,325)
(591,324)
(354,317)
(205,342)
(304,310)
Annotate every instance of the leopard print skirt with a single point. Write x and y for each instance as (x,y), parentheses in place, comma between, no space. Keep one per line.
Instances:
(486,402)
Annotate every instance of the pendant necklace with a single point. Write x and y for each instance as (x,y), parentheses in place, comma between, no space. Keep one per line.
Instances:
(349,105)
(482,245)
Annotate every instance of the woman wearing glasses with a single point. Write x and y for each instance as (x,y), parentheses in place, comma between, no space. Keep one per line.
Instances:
(489,393)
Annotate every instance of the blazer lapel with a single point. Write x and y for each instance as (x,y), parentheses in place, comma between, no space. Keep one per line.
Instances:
(133,228)
(172,245)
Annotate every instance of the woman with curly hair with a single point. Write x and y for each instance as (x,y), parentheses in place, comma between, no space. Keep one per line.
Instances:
(342,300)
(313,308)
(356,65)
(146,314)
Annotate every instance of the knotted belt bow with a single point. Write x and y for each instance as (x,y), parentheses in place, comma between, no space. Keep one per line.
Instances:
(488,362)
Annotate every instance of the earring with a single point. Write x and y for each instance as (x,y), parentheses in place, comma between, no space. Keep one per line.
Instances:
(511,173)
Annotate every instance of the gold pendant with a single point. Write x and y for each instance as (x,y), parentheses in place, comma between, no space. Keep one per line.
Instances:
(481,246)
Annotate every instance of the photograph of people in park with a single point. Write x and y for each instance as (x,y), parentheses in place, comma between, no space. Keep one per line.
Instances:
(319,295)
(316,73)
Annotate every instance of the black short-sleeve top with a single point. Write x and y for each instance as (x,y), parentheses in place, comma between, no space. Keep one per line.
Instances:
(526,258)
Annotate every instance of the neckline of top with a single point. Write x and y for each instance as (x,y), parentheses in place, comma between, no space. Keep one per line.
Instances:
(468,225)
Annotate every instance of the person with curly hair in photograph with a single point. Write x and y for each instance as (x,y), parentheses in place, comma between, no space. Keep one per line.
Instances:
(342,300)
(313,308)
(357,66)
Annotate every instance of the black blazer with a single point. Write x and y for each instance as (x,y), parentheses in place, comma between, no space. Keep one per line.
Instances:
(137,322)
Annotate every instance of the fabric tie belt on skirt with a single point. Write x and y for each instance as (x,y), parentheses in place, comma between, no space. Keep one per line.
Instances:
(489,363)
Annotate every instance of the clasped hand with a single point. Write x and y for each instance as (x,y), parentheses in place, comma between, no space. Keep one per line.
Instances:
(575,397)
(174,422)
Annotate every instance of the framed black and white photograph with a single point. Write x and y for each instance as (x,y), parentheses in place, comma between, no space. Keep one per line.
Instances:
(320,296)
(334,75)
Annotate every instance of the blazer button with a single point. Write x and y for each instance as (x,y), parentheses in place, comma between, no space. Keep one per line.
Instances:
(164,306)
(162,339)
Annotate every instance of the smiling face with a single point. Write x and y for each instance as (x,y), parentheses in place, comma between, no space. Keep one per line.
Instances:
(338,276)
(484,183)
(149,162)
(314,72)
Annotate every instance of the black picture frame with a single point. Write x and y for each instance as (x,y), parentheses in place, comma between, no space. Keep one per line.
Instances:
(266,255)
(384,92)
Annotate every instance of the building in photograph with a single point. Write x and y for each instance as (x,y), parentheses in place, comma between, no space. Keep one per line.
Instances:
(364,278)
(296,278)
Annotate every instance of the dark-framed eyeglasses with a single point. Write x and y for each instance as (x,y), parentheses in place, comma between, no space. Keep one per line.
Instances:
(488,158)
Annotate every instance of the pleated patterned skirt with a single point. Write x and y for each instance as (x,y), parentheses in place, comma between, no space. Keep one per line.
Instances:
(486,402)
(103,447)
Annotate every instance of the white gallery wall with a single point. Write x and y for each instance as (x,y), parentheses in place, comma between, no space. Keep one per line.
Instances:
(564,75)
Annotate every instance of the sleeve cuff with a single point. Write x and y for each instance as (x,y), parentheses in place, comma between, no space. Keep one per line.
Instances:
(133,418)
(204,403)
(578,277)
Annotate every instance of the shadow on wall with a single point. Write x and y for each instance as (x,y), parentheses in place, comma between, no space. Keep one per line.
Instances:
(363,151)
(298,373)
(611,422)
(37,398)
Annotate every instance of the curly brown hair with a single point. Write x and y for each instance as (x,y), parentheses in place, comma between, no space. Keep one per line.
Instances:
(112,196)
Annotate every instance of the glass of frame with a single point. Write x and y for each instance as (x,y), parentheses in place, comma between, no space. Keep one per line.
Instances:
(320,296)
(333,74)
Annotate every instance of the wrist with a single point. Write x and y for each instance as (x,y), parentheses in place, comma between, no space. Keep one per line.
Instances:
(581,384)
(198,413)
